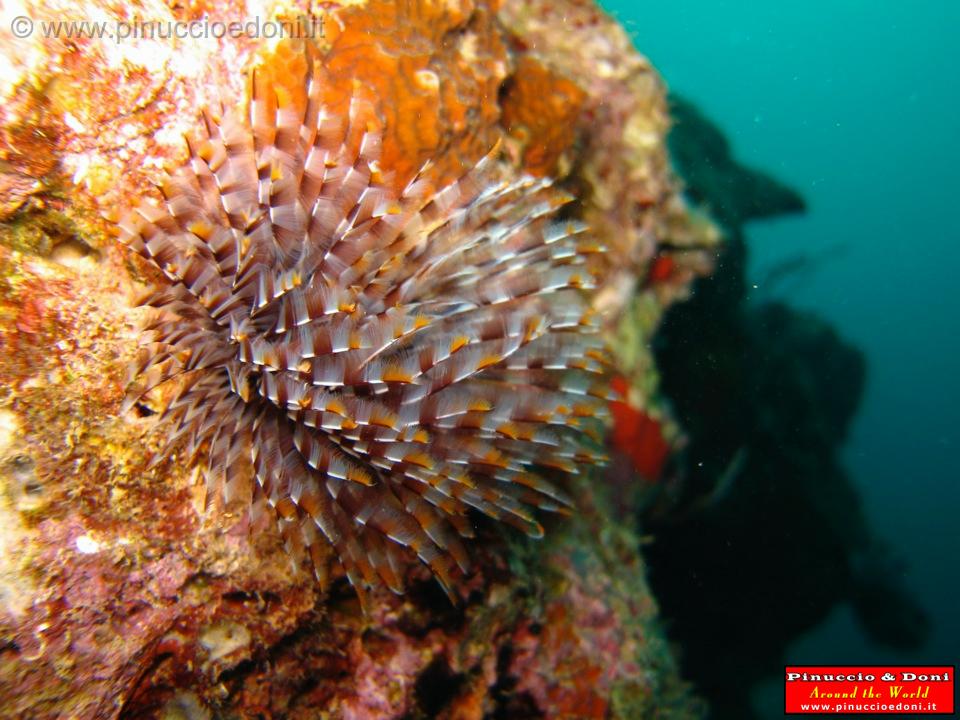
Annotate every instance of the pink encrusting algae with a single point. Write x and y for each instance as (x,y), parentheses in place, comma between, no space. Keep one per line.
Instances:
(374,364)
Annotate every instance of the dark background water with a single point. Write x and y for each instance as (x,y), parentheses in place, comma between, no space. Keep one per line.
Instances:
(857,105)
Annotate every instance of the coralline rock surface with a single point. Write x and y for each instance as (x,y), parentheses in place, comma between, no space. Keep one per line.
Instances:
(119,595)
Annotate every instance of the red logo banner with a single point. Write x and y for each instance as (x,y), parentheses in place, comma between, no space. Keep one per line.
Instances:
(869,690)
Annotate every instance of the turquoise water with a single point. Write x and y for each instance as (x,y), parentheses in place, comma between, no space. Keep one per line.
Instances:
(856,105)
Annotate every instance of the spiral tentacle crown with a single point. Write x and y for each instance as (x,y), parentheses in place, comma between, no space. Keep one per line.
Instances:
(375,364)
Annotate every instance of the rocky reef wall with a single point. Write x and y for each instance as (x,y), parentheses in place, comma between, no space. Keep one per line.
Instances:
(120,595)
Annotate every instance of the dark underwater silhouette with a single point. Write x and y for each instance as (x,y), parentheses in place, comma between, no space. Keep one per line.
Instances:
(769,534)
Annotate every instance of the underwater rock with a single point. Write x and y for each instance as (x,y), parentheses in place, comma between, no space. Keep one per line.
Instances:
(733,192)
(120,594)
(765,534)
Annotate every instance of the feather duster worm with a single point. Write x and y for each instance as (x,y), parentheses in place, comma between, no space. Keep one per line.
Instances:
(375,364)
